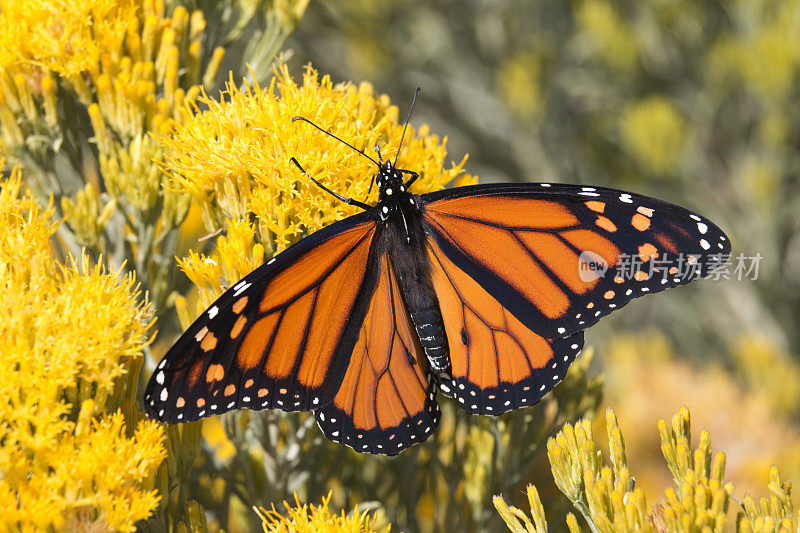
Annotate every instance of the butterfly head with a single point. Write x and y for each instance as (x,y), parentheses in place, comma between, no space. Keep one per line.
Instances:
(389,181)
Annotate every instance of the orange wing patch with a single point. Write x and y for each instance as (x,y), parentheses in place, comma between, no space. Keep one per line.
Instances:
(496,210)
(533,246)
(386,400)
(302,318)
(498,363)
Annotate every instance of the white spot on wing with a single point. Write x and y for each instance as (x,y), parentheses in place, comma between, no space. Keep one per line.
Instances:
(160,378)
(241,289)
(704,244)
(164,395)
(212,312)
(702,228)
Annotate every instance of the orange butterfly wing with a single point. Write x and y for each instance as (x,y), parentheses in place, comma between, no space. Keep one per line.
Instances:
(555,255)
(386,401)
(279,338)
(497,363)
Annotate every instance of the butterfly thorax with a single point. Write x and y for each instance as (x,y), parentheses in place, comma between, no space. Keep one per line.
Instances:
(393,199)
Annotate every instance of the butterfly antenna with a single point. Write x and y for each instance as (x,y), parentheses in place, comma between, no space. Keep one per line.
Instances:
(304,119)
(380,160)
(348,201)
(413,101)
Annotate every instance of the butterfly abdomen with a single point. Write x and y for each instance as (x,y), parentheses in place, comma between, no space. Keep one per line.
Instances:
(430,330)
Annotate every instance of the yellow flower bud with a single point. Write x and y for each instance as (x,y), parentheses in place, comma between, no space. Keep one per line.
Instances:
(50,104)
(213,66)
(12,134)
(98,124)
(25,96)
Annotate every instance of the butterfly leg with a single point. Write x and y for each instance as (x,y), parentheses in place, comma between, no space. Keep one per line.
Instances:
(413,177)
(348,201)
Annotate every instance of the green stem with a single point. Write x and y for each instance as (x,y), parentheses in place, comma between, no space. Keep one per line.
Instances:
(581,506)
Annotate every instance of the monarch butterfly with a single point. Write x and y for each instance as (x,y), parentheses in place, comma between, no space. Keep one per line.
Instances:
(480,292)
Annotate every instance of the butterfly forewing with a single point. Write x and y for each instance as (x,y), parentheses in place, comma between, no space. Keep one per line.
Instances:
(560,257)
(277,338)
(386,401)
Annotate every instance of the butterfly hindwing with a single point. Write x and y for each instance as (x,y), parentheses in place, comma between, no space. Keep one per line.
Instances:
(497,363)
(559,257)
(387,400)
(277,338)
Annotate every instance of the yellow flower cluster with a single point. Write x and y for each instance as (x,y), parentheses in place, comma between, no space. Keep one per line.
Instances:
(604,495)
(74,453)
(766,56)
(233,157)
(699,500)
(315,519)
(130,67)
(609,501)
(769,515)
(654,132)
(519,82)
(607,34)
(60,36)
(769,371)
(516,519)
